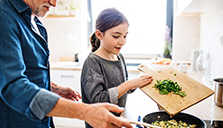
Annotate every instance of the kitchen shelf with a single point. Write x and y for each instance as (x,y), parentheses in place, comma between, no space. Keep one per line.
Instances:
(60,16)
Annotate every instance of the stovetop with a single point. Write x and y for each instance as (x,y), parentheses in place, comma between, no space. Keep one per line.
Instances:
(214,124)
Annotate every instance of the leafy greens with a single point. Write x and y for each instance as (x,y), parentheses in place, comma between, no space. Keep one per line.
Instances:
(167,86)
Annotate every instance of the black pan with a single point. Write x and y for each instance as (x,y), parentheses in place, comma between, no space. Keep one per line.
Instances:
(163,116)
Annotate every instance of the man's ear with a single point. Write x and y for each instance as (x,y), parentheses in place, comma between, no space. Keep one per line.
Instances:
(99,34)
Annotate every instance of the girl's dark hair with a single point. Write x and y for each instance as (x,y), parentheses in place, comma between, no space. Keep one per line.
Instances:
(107,19)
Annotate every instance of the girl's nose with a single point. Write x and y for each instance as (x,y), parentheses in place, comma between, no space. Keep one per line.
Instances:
(122,41)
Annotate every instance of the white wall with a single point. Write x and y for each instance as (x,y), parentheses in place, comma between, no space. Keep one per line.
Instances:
(211,39)
(67,35)
(185,37)
(64,36)
(200,27)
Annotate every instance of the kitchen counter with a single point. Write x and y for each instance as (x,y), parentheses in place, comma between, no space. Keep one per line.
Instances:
(206,109)
(65,65)
(70,65)
(139,104)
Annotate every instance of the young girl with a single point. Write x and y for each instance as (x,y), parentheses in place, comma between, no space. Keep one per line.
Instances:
(104,75)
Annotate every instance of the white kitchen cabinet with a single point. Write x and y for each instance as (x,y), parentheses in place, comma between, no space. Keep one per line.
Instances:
(69,78)
(132,75)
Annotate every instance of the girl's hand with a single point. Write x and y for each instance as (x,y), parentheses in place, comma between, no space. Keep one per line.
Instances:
(141,81)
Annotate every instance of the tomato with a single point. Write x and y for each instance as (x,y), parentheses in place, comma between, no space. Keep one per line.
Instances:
(166,63)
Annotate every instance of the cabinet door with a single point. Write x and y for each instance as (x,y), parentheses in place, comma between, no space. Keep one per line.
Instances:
(69,78)
(133,75)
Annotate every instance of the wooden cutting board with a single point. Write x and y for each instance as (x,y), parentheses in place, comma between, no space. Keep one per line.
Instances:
(172,103)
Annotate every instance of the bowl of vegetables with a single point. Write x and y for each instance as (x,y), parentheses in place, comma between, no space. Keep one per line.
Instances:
(161,64)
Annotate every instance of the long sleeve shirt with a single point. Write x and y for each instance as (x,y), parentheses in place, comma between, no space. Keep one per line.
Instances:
(25,96)
(100,78)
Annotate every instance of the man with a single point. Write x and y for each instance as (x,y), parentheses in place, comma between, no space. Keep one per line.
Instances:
(25,97)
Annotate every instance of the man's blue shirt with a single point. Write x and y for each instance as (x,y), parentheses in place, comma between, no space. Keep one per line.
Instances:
(25,98)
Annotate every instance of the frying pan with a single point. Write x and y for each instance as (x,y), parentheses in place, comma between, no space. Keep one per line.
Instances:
(163,116)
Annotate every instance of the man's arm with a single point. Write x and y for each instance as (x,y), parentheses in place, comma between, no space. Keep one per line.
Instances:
(97,115)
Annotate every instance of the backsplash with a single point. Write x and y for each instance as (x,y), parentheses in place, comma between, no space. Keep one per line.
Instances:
(211,39)
(186,33)
(64,35)
(203,31)
(67,33)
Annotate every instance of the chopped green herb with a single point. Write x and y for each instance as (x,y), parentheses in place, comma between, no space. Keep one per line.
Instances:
(167,86)
(180,93)
(174,74)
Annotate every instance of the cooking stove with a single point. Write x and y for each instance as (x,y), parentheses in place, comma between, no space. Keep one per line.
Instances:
(213,124)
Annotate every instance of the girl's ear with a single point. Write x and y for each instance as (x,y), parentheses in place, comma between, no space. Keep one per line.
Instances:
(99,34)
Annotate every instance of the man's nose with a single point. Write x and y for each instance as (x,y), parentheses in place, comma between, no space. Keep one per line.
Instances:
(53,3)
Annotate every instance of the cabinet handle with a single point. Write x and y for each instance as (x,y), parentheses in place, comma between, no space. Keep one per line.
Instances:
(67,76)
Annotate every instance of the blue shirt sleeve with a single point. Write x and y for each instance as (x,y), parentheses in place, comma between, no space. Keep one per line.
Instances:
(43,103)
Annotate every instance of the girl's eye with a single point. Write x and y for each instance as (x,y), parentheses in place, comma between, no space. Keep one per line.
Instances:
(115,36)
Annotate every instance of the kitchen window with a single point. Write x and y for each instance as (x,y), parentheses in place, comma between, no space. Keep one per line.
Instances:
(147,19)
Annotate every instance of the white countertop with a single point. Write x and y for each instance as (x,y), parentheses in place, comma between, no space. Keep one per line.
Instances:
(70,65)
(65,65)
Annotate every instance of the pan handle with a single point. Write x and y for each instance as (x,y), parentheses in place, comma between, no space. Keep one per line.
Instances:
(141,123)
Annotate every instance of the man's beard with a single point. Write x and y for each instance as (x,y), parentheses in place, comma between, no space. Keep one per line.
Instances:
(39,11)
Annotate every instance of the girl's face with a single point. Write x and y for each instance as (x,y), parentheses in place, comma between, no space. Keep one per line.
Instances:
(113,39)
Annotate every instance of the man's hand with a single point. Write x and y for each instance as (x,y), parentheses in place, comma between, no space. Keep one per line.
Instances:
(99,116)
(65,92)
